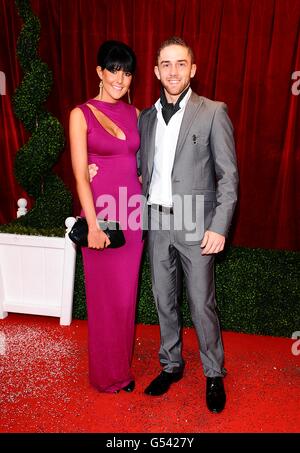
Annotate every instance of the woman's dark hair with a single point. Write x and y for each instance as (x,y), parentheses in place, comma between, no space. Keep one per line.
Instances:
(116,56)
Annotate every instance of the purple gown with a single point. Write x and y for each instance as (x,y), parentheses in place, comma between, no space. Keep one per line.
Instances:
(111,275)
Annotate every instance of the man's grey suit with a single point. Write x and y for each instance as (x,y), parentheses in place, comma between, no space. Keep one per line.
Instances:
(204,171)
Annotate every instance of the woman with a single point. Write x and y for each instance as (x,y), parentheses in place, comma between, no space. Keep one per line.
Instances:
(103,132)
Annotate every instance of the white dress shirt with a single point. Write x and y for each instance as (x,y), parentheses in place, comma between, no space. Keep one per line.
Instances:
(166,138)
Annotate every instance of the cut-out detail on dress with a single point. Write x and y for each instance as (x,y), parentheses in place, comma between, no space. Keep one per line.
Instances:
(108,120)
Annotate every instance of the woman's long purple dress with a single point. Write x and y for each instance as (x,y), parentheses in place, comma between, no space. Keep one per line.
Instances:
(111,275)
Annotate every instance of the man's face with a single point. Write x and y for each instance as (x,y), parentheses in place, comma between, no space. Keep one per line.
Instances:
(174,70)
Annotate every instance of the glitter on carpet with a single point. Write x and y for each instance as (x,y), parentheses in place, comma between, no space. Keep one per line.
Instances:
(45,388)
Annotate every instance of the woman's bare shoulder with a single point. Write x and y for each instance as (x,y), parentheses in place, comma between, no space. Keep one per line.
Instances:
(137,112)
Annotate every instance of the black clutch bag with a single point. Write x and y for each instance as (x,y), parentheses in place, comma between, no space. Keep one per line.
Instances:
(111,228)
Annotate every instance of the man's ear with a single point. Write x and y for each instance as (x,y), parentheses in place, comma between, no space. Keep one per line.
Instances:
(156,72)
(193,70)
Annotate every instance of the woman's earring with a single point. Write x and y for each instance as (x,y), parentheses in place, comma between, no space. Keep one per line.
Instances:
(128,94)
(101,89)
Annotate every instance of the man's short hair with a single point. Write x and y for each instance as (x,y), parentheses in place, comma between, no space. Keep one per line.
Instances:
(175,40)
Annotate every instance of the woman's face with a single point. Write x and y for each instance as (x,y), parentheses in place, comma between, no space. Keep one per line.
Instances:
(115,84)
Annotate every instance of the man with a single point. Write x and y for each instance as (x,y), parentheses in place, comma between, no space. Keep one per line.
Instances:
(189,172)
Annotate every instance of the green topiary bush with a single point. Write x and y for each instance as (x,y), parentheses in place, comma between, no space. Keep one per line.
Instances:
(35,160)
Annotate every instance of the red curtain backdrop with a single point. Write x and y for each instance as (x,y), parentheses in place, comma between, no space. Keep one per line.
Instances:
(246,52)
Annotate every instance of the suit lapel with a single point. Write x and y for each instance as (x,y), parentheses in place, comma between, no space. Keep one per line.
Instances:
(191,110)
(151,132)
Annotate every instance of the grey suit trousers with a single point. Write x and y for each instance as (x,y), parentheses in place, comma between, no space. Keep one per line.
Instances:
(169,253)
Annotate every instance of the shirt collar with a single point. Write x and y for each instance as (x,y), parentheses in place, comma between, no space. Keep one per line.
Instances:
(182,104)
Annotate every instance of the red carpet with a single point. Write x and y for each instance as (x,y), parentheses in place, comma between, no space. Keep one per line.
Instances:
(44,384)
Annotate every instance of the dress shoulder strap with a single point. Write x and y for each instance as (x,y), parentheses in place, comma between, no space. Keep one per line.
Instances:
(87,113)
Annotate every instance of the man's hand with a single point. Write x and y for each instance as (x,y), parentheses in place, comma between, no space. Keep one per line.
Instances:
(93,170)
(212,243)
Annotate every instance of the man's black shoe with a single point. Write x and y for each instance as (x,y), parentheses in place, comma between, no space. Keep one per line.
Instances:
(162,383)
(215,394)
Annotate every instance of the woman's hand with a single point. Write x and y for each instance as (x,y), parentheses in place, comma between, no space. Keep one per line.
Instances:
(97,239)
(93,170)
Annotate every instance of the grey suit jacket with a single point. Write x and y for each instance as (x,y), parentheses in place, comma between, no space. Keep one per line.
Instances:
(205,160)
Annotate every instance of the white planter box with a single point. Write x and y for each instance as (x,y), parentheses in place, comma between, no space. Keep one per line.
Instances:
(37,275)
